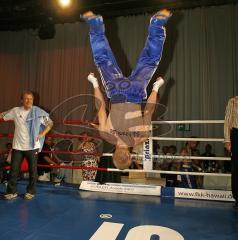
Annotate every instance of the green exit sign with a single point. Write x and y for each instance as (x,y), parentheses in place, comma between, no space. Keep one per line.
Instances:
(183,127)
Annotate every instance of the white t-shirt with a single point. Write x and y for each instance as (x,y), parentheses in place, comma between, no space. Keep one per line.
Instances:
(21,139)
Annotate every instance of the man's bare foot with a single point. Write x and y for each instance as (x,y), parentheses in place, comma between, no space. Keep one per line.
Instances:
(164,13)
(88,14)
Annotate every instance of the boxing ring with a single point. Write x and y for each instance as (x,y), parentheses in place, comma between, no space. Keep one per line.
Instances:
(145,212)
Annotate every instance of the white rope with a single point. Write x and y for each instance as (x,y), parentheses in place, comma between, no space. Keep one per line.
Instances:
(170,172)
(191,157)
(189,139)
(190,122)
(177,157)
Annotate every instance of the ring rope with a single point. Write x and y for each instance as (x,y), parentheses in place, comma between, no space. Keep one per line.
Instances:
(57,136)
(136,170)
(190,122)
(72,153)
(78,122)
(188,139)
(85,122)
(153,138)
(164,157)
(178,157)
(130,170)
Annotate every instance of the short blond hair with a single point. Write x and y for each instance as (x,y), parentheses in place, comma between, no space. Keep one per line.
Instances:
(27,92)
(122,158)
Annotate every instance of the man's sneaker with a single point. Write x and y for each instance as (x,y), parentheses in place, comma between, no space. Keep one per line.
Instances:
(45,177)
(87,16)
(28,196)
(5,183)
(10,196)
(161,17)
(57,181)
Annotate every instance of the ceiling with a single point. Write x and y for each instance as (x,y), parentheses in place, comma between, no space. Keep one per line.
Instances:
(22,14)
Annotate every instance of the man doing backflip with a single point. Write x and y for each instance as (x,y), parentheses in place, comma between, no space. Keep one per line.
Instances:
(126,125)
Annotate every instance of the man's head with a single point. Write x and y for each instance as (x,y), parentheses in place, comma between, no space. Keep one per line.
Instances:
(27,98)
(122,157)
(184,151)
(165,149)
(49,140)
(172,150)
(9,146)
(193,144)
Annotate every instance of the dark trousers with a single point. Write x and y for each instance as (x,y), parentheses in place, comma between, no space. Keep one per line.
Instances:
(234,162)
(17,158)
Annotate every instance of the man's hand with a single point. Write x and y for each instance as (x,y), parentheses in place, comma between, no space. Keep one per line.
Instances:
(45,131)
(94,125)
(228,146)
(39,136)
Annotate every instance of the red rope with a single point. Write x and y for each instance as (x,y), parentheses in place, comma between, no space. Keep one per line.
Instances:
(1,120)
(72,152)
(71,167)
(65,167)
(70,136)
(79,122)
(6,134)
(63,152)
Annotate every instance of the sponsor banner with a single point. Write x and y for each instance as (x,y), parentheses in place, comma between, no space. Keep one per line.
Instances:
(147,152)
(121,188)
(215,195)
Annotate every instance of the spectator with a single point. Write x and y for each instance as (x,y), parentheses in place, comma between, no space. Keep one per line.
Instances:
(6,153)
(136,162)
(164,163)
(192,149)
(172,150)
(91,160)
(63,174)
(171,179)
(187,181)
(5,162)
(156,147)
(165,150)
(104,176)
(45,158)
(209,165)
(2,166)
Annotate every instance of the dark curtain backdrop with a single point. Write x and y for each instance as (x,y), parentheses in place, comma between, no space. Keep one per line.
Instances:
(199,64)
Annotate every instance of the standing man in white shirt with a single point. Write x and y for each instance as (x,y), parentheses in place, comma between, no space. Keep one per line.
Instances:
(31,125)
(231,143)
